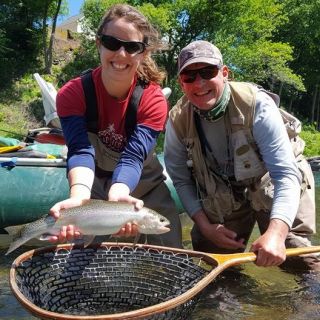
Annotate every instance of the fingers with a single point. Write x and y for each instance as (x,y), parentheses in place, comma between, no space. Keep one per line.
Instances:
(128,230)
(268,256)
(55,211)
(138,204)
(65,204)
(66,234)
(227,232)
(121,192)
(267,259)
(230,243)
(227,238)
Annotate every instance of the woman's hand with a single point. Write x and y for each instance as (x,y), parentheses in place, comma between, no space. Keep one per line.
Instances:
(80,181)
(121,192)
(128,230)
(67,233)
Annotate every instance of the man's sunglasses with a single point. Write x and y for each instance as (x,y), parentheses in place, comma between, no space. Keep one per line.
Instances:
(207,73)
(114,44)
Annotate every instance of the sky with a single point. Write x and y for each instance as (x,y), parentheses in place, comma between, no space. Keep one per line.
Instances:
(74,8)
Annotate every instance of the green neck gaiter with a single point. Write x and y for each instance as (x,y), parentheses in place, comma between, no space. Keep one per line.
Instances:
(218,109)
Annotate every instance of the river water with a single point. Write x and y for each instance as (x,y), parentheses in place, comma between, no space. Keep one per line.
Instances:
(251,293)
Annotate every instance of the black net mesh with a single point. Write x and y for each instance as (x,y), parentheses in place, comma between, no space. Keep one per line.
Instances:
(108,280)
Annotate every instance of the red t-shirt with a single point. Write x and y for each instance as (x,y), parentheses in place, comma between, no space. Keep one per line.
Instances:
(152,111)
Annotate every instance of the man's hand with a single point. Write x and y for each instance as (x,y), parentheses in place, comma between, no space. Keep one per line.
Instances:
(270,247)
(217,233)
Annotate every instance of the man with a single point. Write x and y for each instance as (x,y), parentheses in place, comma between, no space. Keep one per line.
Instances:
(234,163)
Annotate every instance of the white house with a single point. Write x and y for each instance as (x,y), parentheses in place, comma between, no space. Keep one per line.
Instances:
(72,24)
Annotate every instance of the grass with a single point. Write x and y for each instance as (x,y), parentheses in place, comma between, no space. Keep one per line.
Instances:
(312,139)
(20,108)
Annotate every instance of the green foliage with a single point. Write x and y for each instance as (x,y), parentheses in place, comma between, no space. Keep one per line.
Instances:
(311,136)
(160,16)
(20,39)
(84,58)
(270,42)
(3,43)
(302,32)
(248,45)
(160,142)
(93,11)
(21,108)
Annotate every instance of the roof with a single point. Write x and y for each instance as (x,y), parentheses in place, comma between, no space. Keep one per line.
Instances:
(71,19)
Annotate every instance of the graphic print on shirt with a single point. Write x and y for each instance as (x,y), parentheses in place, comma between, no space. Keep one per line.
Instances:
(112,140)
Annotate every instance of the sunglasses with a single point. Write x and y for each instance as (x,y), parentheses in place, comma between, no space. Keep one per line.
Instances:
(114,44)
(207,73)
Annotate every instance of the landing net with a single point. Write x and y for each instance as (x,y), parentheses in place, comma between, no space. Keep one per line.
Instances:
(107,280)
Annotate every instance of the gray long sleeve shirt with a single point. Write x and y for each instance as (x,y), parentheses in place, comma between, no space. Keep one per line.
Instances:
(274,146)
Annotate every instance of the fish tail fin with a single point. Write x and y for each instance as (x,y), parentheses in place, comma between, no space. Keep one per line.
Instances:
(13,246)
(15,232)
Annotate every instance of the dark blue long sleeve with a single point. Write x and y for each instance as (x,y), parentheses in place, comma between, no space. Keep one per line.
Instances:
(128,170)
(80,151)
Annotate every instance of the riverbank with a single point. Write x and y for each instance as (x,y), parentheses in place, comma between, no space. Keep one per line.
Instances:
(314,163)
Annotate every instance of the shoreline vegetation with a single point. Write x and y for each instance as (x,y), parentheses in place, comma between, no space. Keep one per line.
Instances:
(271,43)
(21,109)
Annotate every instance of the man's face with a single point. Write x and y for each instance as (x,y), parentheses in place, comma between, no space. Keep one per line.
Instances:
(203,93)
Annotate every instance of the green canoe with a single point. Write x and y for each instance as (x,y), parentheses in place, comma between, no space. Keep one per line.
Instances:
(31,186)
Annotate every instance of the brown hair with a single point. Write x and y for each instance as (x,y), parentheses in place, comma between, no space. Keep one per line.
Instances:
(148,69)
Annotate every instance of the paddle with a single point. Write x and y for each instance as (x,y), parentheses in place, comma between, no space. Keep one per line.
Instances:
(7,149)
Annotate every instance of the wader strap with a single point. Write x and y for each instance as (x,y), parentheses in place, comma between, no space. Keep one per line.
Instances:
(131,114)
(91,101)
(92,107)
(203,140)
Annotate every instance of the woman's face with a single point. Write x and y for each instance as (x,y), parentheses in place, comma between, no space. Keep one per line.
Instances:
(120,65)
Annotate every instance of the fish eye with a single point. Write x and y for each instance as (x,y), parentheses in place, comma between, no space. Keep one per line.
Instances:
(162,220)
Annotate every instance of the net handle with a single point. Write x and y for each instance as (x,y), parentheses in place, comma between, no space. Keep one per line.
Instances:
(237,258)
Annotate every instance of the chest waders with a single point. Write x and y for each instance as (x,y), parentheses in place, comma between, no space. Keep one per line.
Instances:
(151,187)
(92,109)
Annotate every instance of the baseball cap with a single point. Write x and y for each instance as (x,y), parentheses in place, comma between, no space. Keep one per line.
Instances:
(199,51)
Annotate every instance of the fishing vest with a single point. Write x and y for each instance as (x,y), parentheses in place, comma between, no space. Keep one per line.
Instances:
(107,159)
(218,195)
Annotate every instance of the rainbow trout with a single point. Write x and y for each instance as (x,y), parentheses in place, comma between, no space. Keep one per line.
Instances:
(96,217)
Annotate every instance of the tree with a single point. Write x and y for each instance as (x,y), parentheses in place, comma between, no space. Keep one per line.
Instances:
(302,32)
(244,30)
(19,38)
(48,50)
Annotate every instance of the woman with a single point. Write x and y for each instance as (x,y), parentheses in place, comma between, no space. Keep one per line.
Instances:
(105,159)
